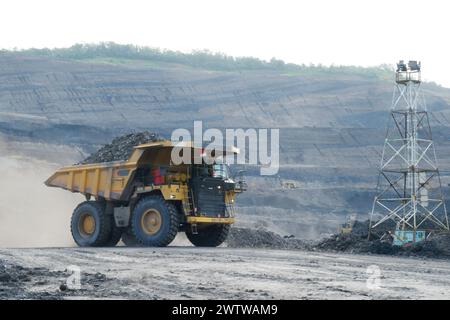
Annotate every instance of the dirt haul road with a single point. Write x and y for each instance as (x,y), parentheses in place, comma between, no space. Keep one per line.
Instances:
(223,273)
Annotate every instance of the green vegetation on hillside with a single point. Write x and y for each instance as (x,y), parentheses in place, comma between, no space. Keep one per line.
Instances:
(109,52)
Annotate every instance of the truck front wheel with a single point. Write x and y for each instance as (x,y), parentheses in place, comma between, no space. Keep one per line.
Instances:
(90,226)
(155,222)
(209,235)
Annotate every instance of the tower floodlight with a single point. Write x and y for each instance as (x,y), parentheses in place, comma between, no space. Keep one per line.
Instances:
(409,184)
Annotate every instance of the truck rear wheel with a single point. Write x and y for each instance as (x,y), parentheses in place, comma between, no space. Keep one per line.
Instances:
(115,235)
(209,236)
(155,222)
(90,226)
(129,239)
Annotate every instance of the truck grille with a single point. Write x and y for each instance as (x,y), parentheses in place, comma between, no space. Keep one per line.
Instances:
(210,197)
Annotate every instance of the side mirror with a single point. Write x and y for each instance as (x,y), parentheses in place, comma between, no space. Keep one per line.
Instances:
(239,175)
(241,185)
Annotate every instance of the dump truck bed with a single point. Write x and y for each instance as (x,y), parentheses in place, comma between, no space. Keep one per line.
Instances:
(110,180)
(107,180)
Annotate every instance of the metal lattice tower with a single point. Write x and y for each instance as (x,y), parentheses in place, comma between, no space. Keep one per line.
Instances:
(409,184)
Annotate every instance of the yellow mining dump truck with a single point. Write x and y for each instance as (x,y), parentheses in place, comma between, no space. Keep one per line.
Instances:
(146,200)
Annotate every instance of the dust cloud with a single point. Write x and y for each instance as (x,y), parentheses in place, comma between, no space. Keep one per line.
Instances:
(31,214)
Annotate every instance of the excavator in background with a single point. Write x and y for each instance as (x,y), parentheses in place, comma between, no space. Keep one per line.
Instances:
(347,227)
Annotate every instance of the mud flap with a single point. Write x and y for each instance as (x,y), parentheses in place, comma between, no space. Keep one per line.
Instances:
(122,216)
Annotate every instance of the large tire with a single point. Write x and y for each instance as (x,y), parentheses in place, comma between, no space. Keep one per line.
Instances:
(209,236)
(155,222)
(90,226)
(129,239)
(115,235)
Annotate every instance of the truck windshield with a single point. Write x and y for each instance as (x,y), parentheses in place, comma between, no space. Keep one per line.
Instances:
(215,171)
(221,171)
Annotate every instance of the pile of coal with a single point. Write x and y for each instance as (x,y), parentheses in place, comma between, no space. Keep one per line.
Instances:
(121,148)
(356,244)
(436,246)
(261,238)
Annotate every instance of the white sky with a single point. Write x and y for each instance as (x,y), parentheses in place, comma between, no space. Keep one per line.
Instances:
(348,32)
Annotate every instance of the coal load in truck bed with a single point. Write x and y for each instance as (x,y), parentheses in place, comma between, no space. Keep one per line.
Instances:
(121,148)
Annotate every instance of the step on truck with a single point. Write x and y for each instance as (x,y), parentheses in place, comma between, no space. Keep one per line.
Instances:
(146,200)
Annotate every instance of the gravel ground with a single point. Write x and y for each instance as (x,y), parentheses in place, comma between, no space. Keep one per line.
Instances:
(19,282)
(226,273)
